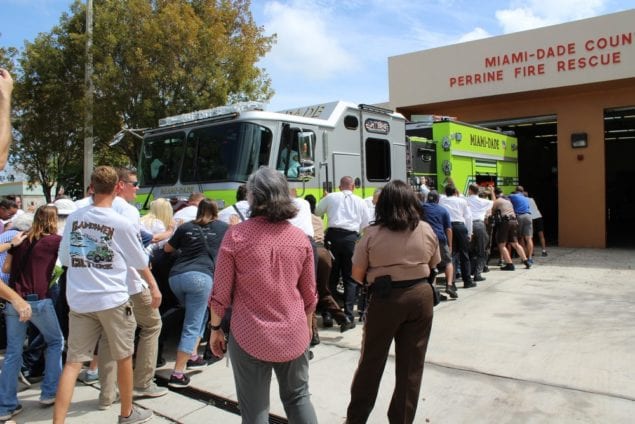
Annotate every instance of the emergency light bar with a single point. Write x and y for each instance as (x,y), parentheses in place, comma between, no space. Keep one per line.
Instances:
(428,119)
(210,113)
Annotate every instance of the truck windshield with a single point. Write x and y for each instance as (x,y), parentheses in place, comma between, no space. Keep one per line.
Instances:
(160,159)
(226,152)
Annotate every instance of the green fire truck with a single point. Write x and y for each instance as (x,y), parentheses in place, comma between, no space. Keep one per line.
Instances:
(442,149)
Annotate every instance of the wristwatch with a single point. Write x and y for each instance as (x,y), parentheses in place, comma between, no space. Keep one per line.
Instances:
(214,327)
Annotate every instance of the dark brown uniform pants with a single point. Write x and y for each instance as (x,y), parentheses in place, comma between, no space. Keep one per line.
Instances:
(406,316)
(326,302)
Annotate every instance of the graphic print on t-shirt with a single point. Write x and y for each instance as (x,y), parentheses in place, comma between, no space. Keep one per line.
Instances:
(91,245)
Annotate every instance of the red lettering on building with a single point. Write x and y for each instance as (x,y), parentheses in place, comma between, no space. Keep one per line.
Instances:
(592,61)
(474,79)
(529,70)
(555,51)
(612,41)
(506,59)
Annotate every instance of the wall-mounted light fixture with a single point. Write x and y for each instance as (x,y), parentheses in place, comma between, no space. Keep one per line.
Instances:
(579,140)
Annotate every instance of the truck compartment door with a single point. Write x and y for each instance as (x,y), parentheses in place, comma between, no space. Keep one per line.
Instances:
(344,164)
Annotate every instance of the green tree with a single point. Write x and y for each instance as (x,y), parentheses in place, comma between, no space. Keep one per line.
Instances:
(7,58)
(152,58)
(164,57)
(48,105)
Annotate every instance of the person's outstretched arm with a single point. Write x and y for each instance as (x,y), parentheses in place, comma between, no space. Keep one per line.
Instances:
(6,87)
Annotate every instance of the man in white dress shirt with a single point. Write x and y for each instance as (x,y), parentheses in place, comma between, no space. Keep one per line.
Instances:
(480,208)
(347,216)
(461,218)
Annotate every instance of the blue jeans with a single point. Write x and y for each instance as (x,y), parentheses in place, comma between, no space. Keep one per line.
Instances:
(32,357)
(45,320)
(192,289)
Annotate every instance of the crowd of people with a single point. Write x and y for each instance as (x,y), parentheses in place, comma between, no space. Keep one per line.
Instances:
(83,277)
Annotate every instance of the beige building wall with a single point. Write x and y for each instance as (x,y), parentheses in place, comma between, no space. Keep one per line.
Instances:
(420,84)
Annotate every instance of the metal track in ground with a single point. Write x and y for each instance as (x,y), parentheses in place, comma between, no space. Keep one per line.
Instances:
(214,400)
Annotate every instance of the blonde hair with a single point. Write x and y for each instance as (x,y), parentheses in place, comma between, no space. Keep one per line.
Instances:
(160,209)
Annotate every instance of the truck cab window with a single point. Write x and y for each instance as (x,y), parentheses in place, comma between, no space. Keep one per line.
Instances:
(296,156)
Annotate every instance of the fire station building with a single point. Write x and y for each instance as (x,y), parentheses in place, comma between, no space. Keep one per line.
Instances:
(568,94)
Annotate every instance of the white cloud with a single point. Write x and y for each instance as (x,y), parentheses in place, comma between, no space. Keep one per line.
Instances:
(524,15)
(477,33)
(306,44)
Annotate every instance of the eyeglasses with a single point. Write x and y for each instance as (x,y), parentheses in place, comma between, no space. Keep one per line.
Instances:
(132,183)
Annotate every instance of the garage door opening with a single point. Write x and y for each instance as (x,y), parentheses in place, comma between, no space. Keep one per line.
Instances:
(619,144)
(537,165)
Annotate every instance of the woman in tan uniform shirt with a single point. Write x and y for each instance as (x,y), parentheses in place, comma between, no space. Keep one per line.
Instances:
(395,255)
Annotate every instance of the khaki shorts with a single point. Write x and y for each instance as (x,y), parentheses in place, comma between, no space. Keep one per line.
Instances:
(117,324)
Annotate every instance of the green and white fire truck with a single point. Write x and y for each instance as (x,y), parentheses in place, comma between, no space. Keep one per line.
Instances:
(213,151)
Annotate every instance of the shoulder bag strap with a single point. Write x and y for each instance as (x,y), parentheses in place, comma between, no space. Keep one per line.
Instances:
(204,238)
(240,214)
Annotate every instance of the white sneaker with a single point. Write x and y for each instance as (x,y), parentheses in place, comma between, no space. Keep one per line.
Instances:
(152,391)
(136,416)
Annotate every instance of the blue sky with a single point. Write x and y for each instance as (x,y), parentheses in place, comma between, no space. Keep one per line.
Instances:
(337,49)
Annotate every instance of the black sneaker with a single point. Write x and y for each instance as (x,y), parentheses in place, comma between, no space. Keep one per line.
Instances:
(315,340)
(451,291)
(327,321)
(199,362)
(179,382)
(508,267)
(348,325)
(485,269)
(544,253)
(479,278)
(527,263)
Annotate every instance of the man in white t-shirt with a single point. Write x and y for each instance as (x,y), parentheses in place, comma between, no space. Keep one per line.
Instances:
(99,246)
(188,213)
(145,301)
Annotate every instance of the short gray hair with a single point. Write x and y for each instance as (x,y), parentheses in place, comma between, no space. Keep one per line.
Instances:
(268,193)
(23,222)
